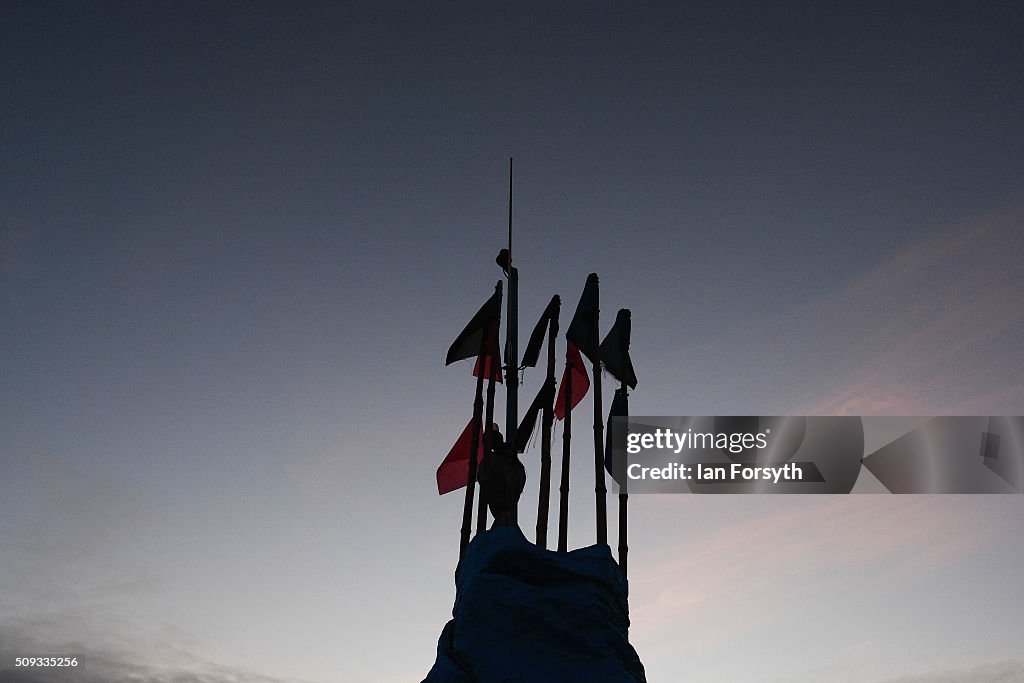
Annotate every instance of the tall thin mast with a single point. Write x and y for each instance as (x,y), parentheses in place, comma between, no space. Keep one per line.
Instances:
(511,338)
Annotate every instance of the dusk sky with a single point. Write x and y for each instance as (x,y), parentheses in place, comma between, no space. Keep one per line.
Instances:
(237,239)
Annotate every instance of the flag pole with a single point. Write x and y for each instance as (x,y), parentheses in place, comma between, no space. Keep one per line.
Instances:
(623,496)
(474,443)
(614,354)
(545,436)
(563,489)
(511,340)
(600,487)
(481,510)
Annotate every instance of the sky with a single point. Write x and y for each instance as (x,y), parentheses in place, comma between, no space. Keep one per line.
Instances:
(237,239)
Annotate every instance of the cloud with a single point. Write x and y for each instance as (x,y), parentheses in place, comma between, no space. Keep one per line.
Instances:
(999,672)
(112,666)
(938,326)
(933,328)
(815,543)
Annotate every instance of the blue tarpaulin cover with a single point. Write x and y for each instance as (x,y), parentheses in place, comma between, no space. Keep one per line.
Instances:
(523,614)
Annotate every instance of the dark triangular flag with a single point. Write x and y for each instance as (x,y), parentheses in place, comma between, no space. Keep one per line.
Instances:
(544,398)
(532,352)
(583,329)
(615,350)
(467,344)
(620,408)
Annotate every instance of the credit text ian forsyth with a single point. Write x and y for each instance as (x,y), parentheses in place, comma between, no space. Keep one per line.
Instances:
(667,440)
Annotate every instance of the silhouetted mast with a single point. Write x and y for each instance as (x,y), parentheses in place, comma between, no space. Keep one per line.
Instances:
(600,487)
(563,487)
(511,338)
(548,421)
(623,496)
(492,365)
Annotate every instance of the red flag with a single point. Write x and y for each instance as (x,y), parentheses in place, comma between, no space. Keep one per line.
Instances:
(492,357)
(454,469)
(580,381)
(487,368)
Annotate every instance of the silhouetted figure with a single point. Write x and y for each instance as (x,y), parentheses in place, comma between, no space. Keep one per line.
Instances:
(502,478)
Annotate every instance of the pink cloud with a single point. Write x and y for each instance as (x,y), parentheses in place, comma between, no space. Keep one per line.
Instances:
(736,578)
(947,309)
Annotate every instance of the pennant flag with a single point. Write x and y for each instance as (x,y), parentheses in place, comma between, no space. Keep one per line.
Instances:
(543,400)
(620,408)
(491,362)
(454,469)
(580,382)
(615,350)
(467,344)
(583,330)
(532,353)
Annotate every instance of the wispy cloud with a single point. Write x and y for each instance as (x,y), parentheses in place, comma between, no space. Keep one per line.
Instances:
(933,328)
(734,576)
(999,672)
(112,666)
(940,321)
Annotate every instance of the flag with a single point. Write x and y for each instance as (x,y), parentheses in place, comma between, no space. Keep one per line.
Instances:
(491,360)
(532,352)
(620,408)
(580,381)
(467,344)
(583,329)
(543,400)
(454,469)
(488,362)
(615,350)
